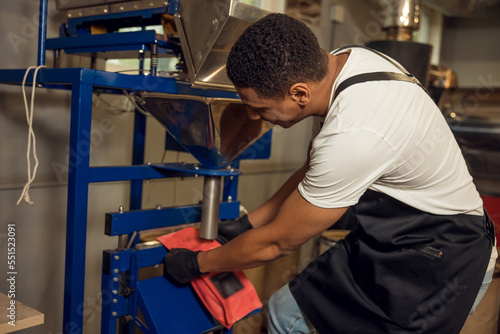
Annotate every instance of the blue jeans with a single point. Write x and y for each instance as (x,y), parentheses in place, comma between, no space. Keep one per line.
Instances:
(484,286)
(286,317)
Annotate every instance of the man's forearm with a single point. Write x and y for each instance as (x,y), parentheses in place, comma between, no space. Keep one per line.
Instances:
(297,222)
(248,250)
(268,211)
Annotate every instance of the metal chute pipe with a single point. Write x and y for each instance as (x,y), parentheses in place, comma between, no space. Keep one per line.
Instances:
(210,207)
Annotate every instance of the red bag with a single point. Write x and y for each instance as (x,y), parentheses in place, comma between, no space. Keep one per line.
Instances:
(228,296)
(492,206)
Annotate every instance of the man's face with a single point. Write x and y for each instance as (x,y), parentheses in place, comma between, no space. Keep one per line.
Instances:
(284,113)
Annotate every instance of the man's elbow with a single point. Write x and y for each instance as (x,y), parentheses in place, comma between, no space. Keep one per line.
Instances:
(284,247)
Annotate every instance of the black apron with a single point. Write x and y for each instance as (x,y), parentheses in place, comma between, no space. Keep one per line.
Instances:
(401,270)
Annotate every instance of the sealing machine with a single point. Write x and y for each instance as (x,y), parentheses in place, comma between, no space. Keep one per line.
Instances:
(202,114)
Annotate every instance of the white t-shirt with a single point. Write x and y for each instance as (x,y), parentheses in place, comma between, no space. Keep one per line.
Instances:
(389,137)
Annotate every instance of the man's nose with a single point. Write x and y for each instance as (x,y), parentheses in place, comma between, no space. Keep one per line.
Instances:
(252,114)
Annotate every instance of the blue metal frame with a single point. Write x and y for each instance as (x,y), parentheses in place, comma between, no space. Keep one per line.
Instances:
(118,264)
(186,308)
(114,41)
(74,24)
(82,82)
(117,304)
(120,223)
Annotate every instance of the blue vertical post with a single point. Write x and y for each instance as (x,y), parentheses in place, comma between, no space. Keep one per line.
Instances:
(133,279)
(42,32)
(138,144)
(137,159)
(136,186)
(78,188)
(136,201)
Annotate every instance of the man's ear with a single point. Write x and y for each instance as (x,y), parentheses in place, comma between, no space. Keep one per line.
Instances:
(300,93)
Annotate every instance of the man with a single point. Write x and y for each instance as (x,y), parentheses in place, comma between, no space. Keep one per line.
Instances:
(422,246)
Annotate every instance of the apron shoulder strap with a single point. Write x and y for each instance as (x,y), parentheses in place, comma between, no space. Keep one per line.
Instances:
(376,76)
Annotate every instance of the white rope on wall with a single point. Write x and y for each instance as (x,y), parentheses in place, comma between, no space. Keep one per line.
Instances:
(31,150)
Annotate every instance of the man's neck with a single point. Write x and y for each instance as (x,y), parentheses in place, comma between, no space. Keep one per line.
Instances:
(324,88)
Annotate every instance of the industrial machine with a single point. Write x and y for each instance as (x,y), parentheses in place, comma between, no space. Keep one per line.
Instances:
(400,19)
(198,33)
(202,115)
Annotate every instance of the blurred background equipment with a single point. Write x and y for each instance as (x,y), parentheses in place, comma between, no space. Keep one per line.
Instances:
(474,118)
(399,20)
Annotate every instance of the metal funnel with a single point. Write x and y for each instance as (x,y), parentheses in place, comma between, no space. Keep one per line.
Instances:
(214,130)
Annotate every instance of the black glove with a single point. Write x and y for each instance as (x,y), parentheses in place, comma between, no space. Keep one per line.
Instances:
(230,229)
(181,265)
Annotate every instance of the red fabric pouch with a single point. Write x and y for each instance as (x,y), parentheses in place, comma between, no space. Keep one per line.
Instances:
(492,206)
(228,296)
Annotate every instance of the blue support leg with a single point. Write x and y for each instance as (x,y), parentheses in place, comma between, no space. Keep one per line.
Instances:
(132,282)
(81,111)
(138,159)
(136,187)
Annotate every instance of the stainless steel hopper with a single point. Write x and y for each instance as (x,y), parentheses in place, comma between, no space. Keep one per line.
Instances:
(214,130)
(207,31)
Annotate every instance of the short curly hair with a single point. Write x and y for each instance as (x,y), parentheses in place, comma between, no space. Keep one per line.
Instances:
(274,53)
